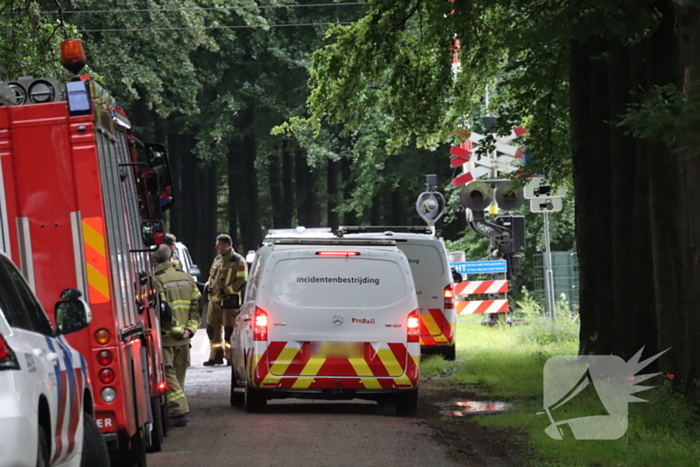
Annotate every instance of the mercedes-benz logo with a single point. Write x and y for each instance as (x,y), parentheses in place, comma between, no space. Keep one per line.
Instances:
(337,320)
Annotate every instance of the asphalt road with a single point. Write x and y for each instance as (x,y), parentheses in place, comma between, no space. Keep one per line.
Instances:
(292,432)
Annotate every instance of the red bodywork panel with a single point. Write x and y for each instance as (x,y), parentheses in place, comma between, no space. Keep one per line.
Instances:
(54,205)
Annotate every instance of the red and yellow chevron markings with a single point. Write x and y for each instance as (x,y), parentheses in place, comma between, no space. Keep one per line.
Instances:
(482,306)
(292,365)
(96,260)
(434,328)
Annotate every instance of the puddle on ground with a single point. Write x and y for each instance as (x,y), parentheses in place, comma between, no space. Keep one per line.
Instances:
(463,408)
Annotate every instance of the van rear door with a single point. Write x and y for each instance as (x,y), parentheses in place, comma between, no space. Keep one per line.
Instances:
(431,275)
(337,312)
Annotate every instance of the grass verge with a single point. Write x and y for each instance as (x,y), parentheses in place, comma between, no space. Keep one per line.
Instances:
(506,363)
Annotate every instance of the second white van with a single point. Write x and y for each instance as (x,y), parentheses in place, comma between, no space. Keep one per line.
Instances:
(427,256)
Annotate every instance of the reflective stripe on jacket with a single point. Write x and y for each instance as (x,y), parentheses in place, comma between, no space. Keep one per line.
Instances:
(179,290)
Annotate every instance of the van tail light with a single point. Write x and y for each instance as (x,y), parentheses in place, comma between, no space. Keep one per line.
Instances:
(260,325)
(338,253)
(449,297)
(8,361)
(413,326)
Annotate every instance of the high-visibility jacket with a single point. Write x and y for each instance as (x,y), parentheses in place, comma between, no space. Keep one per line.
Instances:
(178,289)
(227,275)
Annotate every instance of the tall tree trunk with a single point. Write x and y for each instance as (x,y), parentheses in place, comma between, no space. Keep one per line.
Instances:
(600,157)
(141,116)
(246,191)
(288,199)
(233,167)
(176,159)
(194,213)
(585,186)
(644,322)
(204,227)
(275,181)
(375,210)
(643,325)
(624,239)
(668,239)
(160,128)
(396,211)
(350,217)
(332,171)
(689,24)
(308,210)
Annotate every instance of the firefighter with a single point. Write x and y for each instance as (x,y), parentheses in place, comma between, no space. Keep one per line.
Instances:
(170,240)
(180,293)
(227,276)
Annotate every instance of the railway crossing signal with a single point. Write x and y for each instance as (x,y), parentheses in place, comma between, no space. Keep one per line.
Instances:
(502,159)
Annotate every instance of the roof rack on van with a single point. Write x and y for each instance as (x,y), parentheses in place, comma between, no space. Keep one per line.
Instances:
(299,231)
(331,242)
(343,229)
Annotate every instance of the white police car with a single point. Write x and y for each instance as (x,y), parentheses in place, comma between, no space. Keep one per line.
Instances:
(46,412)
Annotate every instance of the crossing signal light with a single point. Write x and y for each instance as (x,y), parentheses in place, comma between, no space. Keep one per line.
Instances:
(475,196)
(508,197)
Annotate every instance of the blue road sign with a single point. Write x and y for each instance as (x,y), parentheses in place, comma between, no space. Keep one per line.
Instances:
(481,267)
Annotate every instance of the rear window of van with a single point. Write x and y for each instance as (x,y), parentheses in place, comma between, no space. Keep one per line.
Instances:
(427,261)
(337,282)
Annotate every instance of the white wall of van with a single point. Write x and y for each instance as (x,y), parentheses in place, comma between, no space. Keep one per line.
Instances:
(427,257)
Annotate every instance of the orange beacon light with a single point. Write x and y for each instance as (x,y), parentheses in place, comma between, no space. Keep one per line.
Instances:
(73,56)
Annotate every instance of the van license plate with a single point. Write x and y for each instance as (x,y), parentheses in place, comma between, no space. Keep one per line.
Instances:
(337,349)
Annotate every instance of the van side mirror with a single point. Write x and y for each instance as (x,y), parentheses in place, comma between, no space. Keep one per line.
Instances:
(194,270)
(72,315)
(152,232)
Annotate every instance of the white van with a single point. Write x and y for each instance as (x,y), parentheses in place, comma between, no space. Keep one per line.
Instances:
(327,319)
(183,254)
(430,267)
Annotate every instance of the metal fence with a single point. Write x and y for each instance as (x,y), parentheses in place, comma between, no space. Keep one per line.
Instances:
(566,279)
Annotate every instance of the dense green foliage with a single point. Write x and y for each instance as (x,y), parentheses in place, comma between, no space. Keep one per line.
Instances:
(205,77)
(587,77)
(29,41)
(219,81)
(516,48)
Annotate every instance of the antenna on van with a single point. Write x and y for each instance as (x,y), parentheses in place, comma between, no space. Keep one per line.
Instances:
(430,204)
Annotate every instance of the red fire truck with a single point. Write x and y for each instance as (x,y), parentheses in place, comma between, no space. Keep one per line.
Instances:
(81,202)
